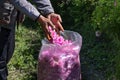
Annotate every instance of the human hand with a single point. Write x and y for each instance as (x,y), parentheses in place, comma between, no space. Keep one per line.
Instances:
(56,20)
(45,23)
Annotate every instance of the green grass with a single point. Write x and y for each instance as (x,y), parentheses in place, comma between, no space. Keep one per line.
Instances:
(23,65)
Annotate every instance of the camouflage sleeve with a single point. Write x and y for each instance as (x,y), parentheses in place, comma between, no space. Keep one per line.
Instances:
(26,7)
(44,6)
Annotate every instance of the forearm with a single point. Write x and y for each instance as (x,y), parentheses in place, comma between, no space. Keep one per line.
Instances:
(26,8)
(44,6)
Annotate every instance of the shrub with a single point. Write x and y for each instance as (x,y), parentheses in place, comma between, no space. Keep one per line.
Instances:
(106,17)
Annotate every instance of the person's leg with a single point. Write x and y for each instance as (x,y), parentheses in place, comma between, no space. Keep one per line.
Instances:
(4,35)
(11,45)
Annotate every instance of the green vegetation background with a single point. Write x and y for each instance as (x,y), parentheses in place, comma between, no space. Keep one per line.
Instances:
(100,56)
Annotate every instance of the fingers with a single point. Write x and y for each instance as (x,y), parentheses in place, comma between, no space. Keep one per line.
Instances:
(57,30)
(59,26)
(59,18)
(51,24)
(57,21)
(47,33)
(53,20)
(45,23)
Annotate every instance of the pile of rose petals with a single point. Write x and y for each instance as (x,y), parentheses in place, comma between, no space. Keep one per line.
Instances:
(59,62)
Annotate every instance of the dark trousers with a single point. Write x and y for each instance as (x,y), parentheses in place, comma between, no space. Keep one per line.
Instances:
(7,44)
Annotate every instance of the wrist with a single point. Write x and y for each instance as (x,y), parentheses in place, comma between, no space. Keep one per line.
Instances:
(40,18)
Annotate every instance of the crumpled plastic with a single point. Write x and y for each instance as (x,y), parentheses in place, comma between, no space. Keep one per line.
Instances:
(60,62)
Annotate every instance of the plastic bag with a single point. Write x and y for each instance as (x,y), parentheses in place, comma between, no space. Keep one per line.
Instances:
(60,62)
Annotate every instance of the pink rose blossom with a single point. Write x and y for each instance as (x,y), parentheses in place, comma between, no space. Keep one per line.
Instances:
(57,39)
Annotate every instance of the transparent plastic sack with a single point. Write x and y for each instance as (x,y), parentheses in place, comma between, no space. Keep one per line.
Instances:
(60,62)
